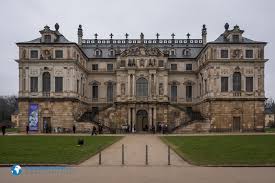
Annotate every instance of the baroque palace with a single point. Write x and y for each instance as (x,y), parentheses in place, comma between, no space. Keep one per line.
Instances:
(141,84)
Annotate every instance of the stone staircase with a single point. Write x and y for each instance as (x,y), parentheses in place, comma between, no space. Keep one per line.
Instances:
(194,123)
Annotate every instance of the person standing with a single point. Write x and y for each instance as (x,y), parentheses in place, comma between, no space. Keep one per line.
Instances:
(74,128)
(27,129)
(3,130)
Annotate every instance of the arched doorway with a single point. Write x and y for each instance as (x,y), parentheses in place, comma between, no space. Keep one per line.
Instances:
(142,121)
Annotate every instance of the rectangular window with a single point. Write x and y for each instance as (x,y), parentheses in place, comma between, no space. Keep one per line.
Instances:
(58,84)
(188,92)
(34,53)
(236,38)
(95,91)
(224,53)
(34,84)
(58,53)
(47,38)
(77,86)
(224,84)
(95,67)
(122,63)
(189,67)
(248,53)
(109,67)
(174,67)
(161,63)
(174,93)
(249,84)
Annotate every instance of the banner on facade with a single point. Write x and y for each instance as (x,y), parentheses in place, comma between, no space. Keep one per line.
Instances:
(33,117)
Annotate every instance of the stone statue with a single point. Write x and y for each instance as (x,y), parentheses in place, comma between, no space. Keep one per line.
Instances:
(56,26)
(24,54)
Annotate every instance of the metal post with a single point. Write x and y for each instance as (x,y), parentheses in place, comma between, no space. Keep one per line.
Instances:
(169,161)
(99,158)
(146,155)
(122,153)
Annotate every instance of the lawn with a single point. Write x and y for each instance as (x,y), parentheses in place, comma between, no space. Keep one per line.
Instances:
(270,130)
(50,149)
(225,150)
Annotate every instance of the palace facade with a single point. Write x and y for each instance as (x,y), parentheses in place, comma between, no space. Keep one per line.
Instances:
(188,84)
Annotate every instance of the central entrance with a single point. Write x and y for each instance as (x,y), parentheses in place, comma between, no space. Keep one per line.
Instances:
(142,121)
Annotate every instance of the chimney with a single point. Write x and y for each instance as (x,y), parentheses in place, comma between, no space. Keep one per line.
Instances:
(203,34)
(80,34)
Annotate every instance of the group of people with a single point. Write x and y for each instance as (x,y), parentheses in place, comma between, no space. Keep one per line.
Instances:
(95,131)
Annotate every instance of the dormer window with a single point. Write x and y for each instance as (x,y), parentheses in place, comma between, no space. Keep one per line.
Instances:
(172,53)
(47,38)
(112,53)
(186,52)
(236,38)
(98,53)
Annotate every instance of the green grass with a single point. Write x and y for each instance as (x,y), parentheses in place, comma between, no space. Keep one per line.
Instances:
(12,130)
(225,150)
(50,149)
(270,130)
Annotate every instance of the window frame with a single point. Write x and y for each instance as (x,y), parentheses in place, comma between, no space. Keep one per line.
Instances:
(142,87)
(175,68)
(249,88)
(251,55)
(237,87)
(189,68)
(47,40)
(32,50)
(224,85)
(108,69)
(33,84)
(58,86)
(95,92)
(60,51)
(221,55)
(94,67)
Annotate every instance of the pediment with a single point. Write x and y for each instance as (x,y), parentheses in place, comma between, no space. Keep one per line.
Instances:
(141,50)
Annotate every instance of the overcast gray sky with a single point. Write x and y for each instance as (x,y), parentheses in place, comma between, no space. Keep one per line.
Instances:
(22,20)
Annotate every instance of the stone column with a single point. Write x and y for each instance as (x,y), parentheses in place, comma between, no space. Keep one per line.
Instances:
(155,117)
(149,86)
(134,85)
(150,116)
(128,86)
(134,118)
(165,85)
(129,115)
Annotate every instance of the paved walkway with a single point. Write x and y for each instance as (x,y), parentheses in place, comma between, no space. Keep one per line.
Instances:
(134,152)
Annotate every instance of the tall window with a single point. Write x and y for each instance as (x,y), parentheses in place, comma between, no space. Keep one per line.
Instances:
(189,92)
(110,92)
(224,53)
(34,84)
(174,93)
(77,86)
(47,38)
(109,67)
(161,64)
(34,53)
(224,84)
(58,53)
(46,87)
(249,84)
(142,87)
(58,84)
(189,67)
(95,91)
(237,81)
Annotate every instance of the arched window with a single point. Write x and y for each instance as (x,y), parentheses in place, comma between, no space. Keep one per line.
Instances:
(186,52)
(46,82)
(142,87)
(237,81)
(98,53)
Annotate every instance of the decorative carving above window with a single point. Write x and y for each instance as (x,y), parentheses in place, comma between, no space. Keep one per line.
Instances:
(94,82)
(174,82)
